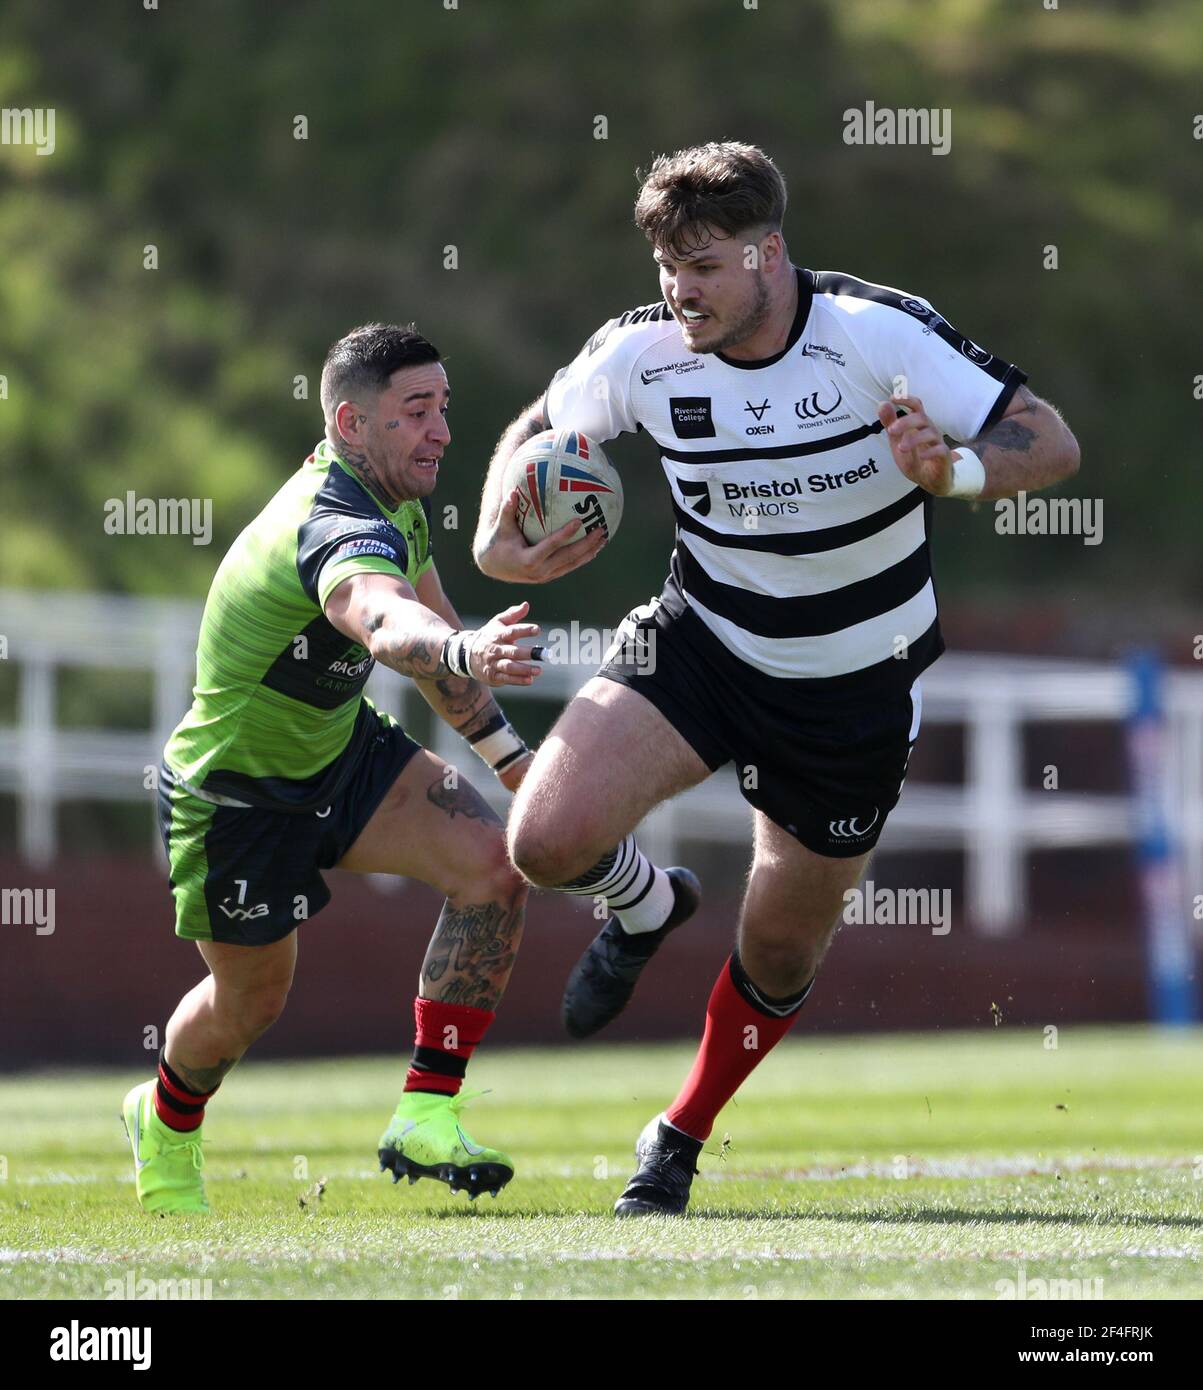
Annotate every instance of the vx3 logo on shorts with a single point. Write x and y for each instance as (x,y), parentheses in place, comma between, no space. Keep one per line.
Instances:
(244,914)
(850,829)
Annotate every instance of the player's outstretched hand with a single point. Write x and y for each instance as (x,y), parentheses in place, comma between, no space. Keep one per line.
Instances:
(496,659)
(512,558)
(917,445)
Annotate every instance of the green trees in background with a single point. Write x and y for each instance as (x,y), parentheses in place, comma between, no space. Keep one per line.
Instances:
(450,173)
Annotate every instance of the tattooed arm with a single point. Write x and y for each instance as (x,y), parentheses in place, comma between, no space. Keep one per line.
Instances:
(1029,448)
(465,704)
(384,614)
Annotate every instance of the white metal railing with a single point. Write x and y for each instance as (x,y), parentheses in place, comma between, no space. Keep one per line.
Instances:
(992,818)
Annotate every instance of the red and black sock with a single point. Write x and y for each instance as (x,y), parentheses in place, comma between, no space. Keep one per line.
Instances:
(743,1024)
(447,1035)
(177,1105)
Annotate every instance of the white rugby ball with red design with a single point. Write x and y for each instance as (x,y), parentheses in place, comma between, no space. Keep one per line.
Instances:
(561,475)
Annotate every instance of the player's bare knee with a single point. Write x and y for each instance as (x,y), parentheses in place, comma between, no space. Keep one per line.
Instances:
(548,859)
(250,1013)
(266,1009)
(490,877)
(529,848)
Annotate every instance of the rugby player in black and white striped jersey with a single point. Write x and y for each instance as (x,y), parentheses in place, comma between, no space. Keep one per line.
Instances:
(801,419)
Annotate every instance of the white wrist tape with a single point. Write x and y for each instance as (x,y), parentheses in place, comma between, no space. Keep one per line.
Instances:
(498,743)
(504,746)
(968,475)
(457,650)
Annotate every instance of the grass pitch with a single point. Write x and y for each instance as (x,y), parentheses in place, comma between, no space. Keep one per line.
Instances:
(883,1167)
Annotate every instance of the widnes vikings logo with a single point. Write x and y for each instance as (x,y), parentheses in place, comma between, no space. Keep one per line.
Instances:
(808,408)
(849,829)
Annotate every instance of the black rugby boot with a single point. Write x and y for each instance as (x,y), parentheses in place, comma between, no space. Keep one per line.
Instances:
(604,978)
(667,1165)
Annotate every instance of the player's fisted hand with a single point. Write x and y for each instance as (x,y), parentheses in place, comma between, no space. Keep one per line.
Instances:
(917,445)
(512,557)
(495,658)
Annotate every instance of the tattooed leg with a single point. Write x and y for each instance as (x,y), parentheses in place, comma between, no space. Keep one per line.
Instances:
(436,827)
(460,799)
(202,1078)
(476,939)
(472,952)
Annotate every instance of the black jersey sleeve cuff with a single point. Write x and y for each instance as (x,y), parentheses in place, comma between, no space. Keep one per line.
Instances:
(1013,380)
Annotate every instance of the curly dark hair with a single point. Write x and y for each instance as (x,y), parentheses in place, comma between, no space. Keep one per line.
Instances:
(724,186)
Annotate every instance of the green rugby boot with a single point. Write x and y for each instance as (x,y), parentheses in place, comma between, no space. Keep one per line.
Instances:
(426,1140)
(167,1164)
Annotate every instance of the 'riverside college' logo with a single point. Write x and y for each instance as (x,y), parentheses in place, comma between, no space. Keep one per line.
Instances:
(692,417)
(696,496)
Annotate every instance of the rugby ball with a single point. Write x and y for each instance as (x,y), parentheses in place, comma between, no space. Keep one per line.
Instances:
(562,475)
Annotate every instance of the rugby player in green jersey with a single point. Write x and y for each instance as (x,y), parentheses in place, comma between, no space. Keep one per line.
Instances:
(282,769)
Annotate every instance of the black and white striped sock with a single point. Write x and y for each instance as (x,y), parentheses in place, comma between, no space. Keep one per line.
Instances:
(638,893)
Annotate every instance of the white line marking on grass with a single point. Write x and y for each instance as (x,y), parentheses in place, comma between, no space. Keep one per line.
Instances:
(600,1255)
(54,1179)
(1017,1167)
(66,1256)
(1013,1167)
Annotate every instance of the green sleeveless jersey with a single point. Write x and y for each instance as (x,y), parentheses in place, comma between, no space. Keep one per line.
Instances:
(278,717)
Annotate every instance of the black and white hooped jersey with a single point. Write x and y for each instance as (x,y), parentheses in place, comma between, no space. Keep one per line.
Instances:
(800,544)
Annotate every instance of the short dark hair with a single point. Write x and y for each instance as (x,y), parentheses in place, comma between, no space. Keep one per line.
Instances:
(364,360)
(723,185)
